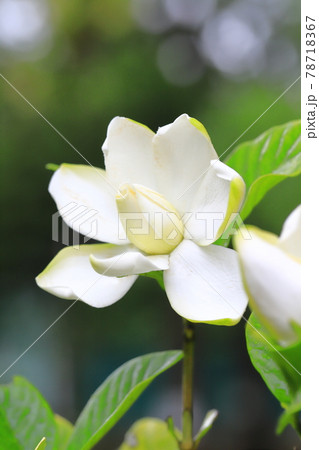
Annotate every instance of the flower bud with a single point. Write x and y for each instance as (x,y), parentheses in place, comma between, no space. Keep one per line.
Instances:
(151,223)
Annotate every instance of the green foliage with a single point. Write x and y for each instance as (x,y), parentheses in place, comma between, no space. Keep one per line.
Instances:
(279,368)
(266,161)
(7,437)
(64,431)
(290,416)
(42,444)
(27,422)
(114,397)
(25,417)
(206,425)
(149,434)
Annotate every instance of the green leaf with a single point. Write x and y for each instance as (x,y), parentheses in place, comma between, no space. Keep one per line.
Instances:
(266,161)
(115,396)
(27,415)
(278,366)
(64,431)
(42,445)
(149,434)
(7,437)
(156,275)
(290,417)
(206,425)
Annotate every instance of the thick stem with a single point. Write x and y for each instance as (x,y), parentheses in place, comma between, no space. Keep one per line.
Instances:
(187,442)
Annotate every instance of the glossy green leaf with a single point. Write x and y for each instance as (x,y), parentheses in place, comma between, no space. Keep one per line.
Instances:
(114,397)
(149,434)
(64,431)
(278,366)
(266,161)
(27,415)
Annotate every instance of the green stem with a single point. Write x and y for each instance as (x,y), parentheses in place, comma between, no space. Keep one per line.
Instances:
(187,442)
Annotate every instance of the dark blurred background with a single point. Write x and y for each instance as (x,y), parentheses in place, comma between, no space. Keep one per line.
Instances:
(80,63)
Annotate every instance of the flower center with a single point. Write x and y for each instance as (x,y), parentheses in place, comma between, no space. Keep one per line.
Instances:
(150,222)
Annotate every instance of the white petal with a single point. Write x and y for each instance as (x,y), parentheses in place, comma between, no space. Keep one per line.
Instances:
(182,152)
(128,153)
(132,261)
(203,284)
(272,279)
(70,275)
(290,237)
(86,201)
(215,204)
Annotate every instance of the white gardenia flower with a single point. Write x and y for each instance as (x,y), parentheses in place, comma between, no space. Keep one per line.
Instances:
(160,203)
(271,271)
